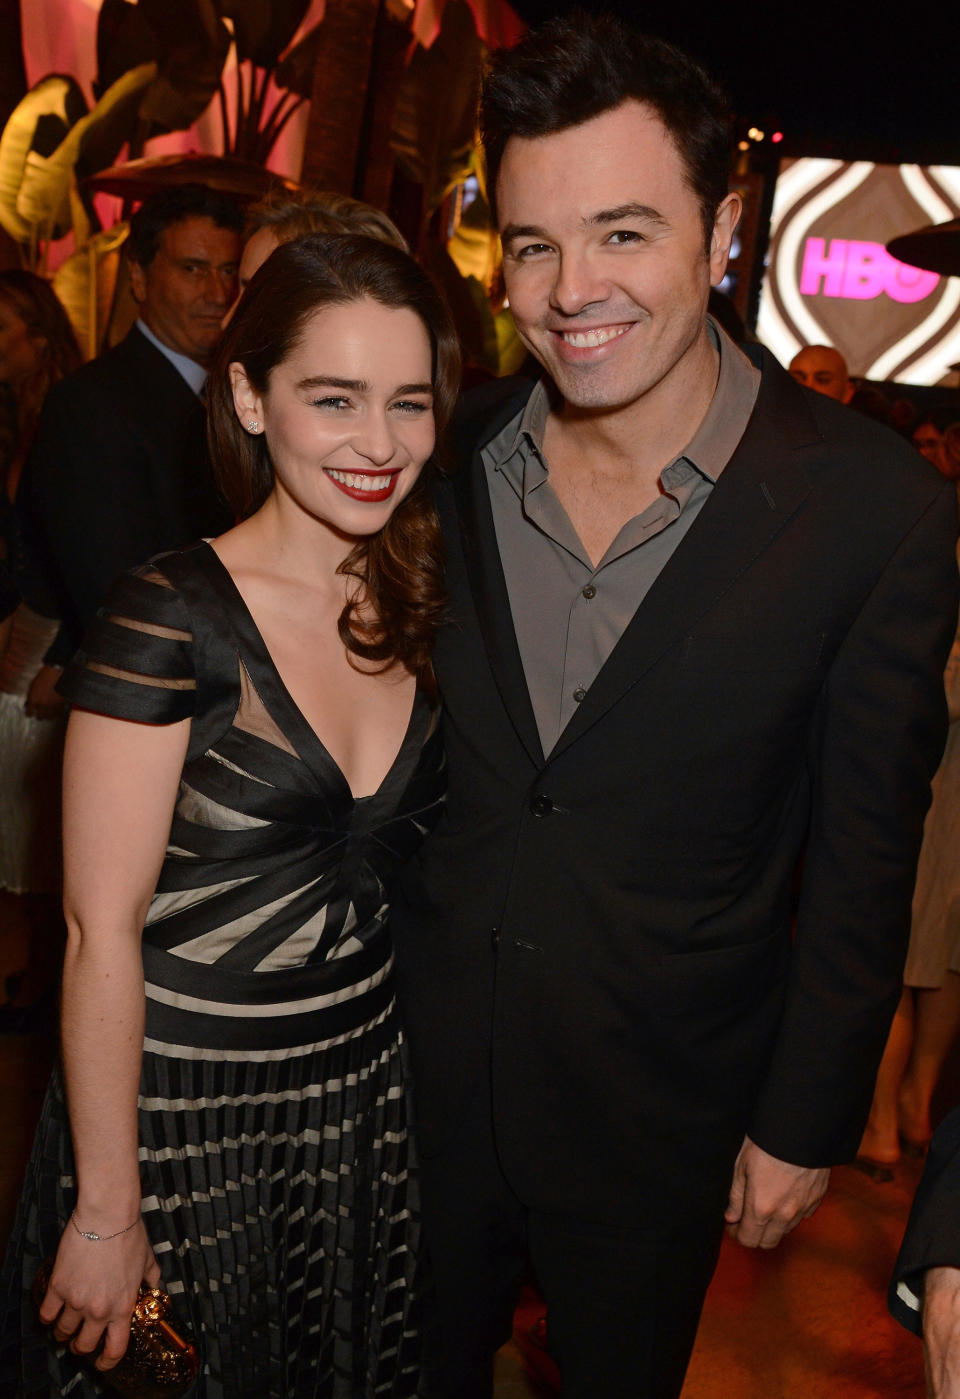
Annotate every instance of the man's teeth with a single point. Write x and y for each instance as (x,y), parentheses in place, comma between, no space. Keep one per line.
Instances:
(359,481)
(585,339)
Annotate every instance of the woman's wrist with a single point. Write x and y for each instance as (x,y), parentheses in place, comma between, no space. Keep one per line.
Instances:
(103,1213)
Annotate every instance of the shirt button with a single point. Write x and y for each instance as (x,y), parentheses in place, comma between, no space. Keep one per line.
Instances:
(589,592)
(541,805)
(579,695)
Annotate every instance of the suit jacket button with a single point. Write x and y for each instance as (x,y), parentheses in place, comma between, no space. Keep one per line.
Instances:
(540,805)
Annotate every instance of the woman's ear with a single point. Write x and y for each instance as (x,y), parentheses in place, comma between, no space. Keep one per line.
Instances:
(247,403)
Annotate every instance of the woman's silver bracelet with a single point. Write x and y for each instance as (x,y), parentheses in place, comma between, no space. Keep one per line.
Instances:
(101,1238)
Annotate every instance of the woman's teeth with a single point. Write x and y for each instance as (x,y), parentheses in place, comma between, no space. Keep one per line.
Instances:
(360,481)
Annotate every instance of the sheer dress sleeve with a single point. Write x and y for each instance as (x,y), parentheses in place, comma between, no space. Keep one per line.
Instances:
(136,660)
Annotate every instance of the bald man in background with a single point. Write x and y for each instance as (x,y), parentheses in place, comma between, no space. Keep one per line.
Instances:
(823,369)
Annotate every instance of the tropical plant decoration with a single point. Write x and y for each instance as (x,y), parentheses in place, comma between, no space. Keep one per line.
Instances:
(160,65)
(93,285)
(191,41)
(434,123)
(49,143)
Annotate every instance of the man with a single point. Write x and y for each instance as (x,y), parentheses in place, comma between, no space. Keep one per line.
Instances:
(823,369)
(691,628)
(925,1291)
(119,470)
(937,437)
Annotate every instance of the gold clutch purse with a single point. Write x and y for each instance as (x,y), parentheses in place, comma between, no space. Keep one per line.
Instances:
(158,1363)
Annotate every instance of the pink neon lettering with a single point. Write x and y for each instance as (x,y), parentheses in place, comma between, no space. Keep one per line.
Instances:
(864,274)
(859,271)
(817,264)
(906,283)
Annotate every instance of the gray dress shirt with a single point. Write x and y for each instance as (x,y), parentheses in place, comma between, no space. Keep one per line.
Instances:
(568,614)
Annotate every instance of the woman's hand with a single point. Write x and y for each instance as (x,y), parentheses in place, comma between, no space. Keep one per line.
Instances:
(93,1290)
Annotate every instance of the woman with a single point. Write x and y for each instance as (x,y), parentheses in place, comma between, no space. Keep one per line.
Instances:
(279,217)
(37,347)
(269,694)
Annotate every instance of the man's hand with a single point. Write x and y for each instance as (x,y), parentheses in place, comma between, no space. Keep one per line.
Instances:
(941,1332)
(768,1197)
(43,702)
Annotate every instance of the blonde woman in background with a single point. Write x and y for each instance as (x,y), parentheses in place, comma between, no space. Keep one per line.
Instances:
(281,217)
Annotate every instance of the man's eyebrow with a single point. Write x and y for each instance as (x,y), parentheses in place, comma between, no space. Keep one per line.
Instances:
(601,218)
(627,211)
(522,230)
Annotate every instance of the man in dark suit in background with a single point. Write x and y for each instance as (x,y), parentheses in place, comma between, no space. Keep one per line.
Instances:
(119,469)
(925,1291)
(699,618)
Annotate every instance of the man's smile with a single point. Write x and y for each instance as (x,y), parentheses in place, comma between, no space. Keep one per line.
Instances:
(597,335)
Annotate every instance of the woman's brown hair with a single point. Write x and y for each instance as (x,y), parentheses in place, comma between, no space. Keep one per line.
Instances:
(37,305)
(399,600)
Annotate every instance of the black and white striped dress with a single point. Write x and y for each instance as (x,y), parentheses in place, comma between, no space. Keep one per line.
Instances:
(275,1161)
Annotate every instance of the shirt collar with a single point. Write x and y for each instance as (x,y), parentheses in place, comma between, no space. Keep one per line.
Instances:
(188,369)
(725,421)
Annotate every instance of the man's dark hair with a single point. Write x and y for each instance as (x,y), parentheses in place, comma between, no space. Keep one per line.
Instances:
(572,69)
(159,211)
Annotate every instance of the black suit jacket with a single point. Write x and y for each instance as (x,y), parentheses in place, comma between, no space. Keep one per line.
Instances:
(118,472)
(932,1238)
(607,932)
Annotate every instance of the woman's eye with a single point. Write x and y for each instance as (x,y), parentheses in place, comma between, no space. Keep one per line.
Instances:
(335,403)
(412,405)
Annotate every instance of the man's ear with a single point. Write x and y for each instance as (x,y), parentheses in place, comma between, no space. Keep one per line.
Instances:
(247,403)
(724,227)
(138,282)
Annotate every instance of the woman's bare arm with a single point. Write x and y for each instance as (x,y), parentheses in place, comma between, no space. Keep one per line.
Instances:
(120,784)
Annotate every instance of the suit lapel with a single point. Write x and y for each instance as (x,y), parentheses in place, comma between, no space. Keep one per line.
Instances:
(487,583)
(168,420)
(160,397)
(762,486)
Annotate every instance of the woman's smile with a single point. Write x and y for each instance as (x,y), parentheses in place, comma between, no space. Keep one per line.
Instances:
(363,485)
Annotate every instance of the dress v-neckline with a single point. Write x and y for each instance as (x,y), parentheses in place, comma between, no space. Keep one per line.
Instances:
(309,739)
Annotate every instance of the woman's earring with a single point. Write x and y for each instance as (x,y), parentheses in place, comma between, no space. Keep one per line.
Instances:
(253,425)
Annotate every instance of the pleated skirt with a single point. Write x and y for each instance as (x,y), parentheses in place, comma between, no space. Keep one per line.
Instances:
(280,1199)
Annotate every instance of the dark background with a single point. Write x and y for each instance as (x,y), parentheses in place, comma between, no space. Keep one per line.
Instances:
(858,81)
